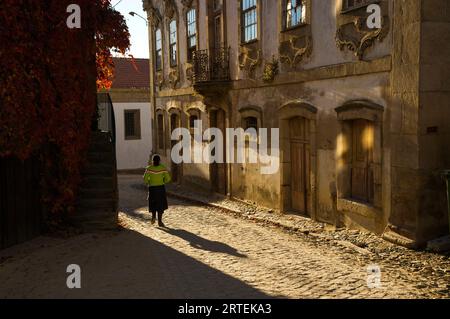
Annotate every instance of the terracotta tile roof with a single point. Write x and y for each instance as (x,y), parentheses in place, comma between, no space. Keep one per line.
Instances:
(129,75)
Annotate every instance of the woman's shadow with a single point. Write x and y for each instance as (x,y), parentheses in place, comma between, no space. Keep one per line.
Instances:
(202,243)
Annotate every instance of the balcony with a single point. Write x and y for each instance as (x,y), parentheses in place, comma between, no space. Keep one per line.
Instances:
(211,70)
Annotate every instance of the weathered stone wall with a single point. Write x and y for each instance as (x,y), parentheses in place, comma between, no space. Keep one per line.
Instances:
(434,116)
(325,95)
(419,121)
(401,68)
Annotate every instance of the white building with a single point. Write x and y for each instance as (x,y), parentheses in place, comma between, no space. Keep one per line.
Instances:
(130,95)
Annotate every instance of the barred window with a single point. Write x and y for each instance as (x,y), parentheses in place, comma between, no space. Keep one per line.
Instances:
(173,43)
(251,122)
(249,20)
(132,125)
(295,13)
(348,5)
(191,33)
(192,120)
(158,49)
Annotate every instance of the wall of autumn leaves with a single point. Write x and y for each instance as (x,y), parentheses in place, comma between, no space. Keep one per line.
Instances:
(49,75)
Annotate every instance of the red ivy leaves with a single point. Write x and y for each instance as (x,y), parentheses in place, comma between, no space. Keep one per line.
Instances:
(48,80)
(111,35)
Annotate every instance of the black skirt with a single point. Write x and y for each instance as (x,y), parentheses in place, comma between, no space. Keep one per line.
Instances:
(157,199)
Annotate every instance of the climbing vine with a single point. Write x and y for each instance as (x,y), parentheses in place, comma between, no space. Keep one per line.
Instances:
(49,75)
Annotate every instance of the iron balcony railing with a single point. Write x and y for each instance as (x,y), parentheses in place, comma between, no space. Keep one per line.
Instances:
(211,65)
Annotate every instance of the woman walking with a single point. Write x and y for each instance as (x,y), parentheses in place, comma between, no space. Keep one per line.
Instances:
(156,177)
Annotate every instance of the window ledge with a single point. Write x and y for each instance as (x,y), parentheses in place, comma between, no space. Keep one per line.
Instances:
(359,208)
(299,26)
(356,8)
(133,138)
(249,42)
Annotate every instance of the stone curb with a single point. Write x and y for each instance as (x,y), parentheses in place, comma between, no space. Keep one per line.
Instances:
(234,212)
(264,221)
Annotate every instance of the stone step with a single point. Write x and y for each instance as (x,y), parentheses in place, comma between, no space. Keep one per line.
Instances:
(94,213)
(98,169)
(96,203)
(96,222)
(98,182)
(97,200)
(104,147)
(100,136)
(99,193)
(101,157)
(439,245)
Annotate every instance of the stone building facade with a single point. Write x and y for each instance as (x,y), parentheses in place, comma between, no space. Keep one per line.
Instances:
(363,113)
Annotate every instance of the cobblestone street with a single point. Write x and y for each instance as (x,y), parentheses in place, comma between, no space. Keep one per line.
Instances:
(207,253)
(276,263)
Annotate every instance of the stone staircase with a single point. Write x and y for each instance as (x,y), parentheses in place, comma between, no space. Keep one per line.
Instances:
(97,206)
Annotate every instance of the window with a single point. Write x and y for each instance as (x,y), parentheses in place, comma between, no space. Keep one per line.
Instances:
(295,13)
(173,42)
(251,122)
(249,20)
(132,125)
(158,49)
(218,32)
(160,131)
(355,4)
(192,120)
(191,33)
(217,5)
(362,161)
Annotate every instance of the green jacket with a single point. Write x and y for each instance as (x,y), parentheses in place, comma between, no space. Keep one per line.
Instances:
(157,176)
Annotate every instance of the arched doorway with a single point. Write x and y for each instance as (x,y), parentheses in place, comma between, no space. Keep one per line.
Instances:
(298,157)
(175,123)
(218,171)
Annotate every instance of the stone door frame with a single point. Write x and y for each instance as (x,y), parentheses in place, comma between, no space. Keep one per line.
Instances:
(347,113)
(286,112)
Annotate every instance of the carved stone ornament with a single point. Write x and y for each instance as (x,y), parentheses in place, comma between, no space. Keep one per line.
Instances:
(249,59)
(154,16)
(189,70)
(174,78)
(270,70)
(353,37)
(160,81)
(187,3)
(169,9)
(147,4)
(294,50)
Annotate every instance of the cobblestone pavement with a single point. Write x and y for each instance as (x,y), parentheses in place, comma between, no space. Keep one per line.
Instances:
(209,253)
(289,264)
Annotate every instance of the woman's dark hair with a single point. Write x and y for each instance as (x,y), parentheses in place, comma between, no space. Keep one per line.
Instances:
(156,160)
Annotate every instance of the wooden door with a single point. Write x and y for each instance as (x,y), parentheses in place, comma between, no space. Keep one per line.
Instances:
(300,164)
(174,124)
(218,171)
(362,156)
